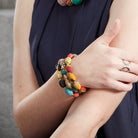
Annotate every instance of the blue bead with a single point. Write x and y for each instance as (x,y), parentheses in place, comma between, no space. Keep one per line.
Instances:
(69,91)
(63,72)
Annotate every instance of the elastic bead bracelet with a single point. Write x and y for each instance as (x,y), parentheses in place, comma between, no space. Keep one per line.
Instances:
(67,79)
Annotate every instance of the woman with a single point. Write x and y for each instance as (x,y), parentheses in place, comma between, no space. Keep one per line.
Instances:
(40,105)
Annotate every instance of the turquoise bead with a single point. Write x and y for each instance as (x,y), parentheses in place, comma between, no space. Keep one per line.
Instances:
(76,2)
(69,91)
(64,72)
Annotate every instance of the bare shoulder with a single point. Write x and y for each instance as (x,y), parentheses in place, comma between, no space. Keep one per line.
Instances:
(23,15)
(126,11)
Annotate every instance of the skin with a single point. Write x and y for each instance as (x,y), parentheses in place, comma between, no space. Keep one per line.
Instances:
(91,110)
(28,95)
(95,98)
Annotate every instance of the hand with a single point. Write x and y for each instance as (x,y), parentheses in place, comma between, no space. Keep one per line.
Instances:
(99,66)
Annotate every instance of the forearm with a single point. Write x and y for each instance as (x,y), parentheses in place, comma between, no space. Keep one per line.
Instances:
(88,113)
(43,110)
(75,128)
(93,107)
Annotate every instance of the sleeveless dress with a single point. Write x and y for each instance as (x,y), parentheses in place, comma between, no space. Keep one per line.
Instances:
(56,31)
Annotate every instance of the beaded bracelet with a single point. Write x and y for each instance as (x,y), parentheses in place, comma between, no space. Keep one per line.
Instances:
(67,79)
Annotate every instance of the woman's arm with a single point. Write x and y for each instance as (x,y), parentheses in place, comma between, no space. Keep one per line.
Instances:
(98,105)
(37,111)
(33,111)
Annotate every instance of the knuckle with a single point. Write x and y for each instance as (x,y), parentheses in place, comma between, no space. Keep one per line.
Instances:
(107,83)
(112,51)
(112,62)
(109,74)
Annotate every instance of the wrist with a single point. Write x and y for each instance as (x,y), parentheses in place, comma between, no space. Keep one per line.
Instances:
(76,66)
(67,79)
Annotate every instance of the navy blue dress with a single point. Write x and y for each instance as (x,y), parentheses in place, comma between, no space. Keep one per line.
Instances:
(57,31)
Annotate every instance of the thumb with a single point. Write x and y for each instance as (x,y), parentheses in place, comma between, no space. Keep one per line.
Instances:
(111,33)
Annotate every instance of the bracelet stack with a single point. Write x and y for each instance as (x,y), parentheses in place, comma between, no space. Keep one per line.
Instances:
(67,79)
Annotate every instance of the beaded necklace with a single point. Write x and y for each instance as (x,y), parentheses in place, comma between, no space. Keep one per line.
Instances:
(69,2)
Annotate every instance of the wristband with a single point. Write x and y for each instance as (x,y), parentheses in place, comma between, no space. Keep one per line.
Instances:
(67,79)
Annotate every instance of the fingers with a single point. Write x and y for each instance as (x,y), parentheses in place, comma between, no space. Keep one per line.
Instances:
(120,75)
(110,34)
(120,58)
(126,77)
(125,55)
(119,86)
(133,68)
(118,64)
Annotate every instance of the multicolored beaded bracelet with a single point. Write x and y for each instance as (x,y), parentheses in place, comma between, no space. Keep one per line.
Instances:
(67,79)
(69,2)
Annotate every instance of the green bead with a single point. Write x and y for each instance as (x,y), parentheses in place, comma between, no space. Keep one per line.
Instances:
(76,2)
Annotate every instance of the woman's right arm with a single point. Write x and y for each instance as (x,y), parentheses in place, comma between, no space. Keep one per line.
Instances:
(37,111)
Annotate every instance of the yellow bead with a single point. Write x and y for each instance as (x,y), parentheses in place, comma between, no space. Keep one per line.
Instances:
(77,85)
(68,60)
(59,74)
(68,65)
(72,77)
(68,84)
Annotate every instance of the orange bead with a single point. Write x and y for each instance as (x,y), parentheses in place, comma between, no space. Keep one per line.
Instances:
(77,85)
(72,77)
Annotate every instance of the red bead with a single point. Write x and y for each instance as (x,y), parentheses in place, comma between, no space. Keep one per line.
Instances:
(60,60)
(68,2)
(70,55)
(76,95)
(69,69)
(83,89)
